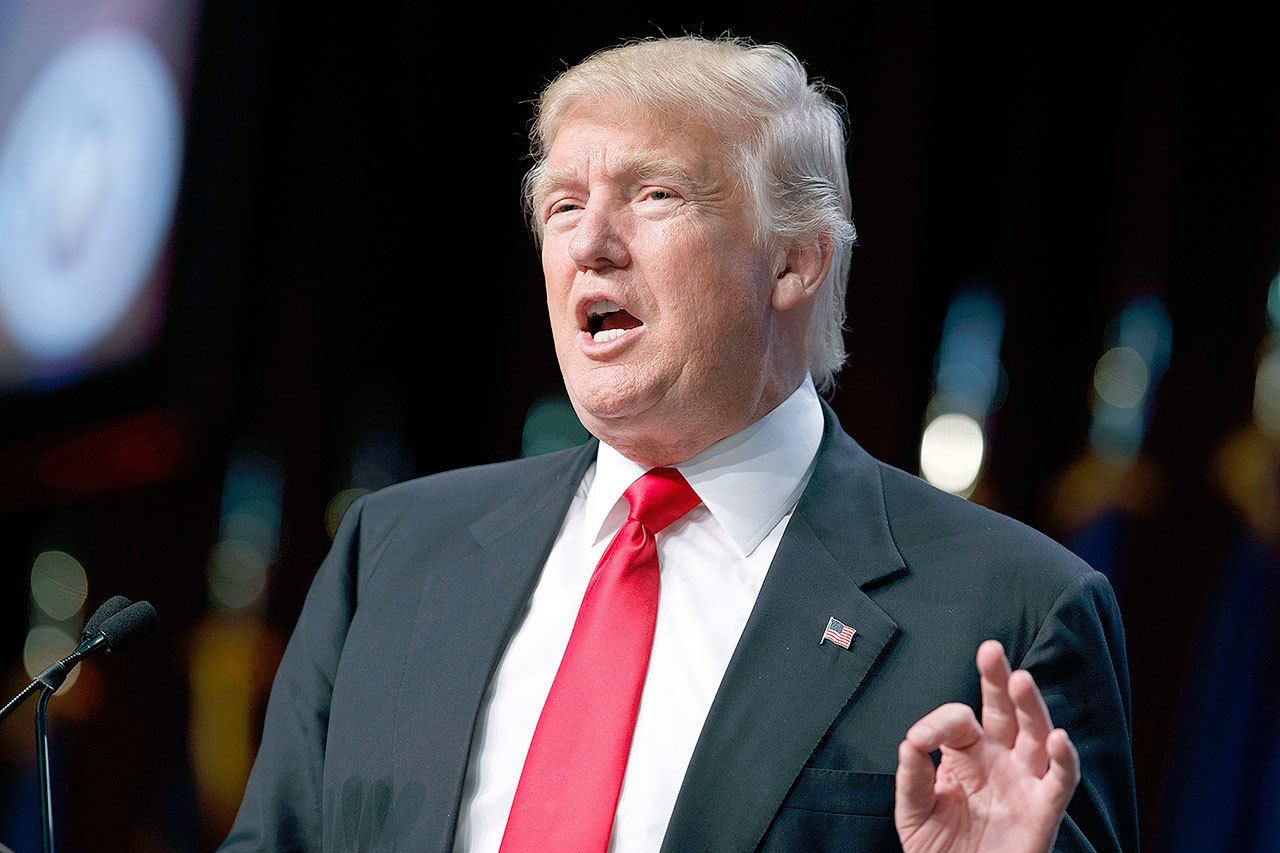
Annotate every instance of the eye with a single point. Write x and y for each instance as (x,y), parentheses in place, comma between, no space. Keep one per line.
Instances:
(659,195)
(562,207)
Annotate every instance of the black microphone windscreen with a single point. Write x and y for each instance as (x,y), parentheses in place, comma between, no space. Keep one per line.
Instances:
(129,624)
(105,611)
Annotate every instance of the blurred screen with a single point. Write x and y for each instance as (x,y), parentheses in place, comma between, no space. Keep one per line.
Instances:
(92,101)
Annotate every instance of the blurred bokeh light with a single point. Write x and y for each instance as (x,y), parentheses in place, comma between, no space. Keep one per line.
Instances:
(967,390)
(551,425)
(951,453)
(59,585)
(45,645)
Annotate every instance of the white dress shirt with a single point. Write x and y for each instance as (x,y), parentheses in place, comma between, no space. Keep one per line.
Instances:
(713,562)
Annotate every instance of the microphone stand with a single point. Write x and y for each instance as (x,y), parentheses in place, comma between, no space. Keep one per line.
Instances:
(42,764)
(50,680)
(12,704)
(116,623)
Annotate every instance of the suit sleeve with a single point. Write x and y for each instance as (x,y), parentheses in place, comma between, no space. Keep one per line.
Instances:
(1078,661)
(281,809)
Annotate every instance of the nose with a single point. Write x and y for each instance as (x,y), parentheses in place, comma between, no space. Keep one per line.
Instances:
(597,242)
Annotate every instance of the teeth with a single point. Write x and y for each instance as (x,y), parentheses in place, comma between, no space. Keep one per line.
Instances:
(608,335)
(604,306)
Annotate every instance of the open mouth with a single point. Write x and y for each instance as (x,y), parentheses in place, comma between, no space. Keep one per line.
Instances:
(607,321)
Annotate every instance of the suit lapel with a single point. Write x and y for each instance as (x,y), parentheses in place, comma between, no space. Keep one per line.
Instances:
(782,690)
(468,613)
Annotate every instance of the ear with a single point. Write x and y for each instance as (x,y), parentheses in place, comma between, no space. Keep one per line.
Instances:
(801,269)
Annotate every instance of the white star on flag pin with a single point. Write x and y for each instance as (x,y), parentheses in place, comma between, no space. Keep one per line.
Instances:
(838,633)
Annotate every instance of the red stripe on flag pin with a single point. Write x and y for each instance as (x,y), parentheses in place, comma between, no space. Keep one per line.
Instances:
(838,633)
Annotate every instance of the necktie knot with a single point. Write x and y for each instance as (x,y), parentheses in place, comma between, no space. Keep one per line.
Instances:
(660,497)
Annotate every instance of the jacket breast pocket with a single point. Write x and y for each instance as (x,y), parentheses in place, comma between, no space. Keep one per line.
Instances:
(842,791)
(835,810)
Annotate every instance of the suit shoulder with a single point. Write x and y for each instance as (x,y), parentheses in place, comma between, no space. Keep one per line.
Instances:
(934,528)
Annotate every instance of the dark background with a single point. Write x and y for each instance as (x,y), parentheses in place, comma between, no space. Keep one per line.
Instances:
(350,259)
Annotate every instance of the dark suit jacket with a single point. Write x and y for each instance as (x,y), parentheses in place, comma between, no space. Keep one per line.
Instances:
(370,720)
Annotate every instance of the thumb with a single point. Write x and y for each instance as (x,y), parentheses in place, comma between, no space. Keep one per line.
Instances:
(914,796)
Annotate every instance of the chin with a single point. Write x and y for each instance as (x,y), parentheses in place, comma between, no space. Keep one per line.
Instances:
(606,404)
(608,395)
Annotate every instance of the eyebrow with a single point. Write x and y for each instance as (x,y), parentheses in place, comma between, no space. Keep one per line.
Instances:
(635,168)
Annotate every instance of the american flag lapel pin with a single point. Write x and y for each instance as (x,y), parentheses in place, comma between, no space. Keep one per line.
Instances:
(838,633)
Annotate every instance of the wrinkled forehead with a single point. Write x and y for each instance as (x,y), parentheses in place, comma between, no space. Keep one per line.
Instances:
(637,141)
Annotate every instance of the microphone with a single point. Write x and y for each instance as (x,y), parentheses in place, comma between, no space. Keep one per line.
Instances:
(115,631)
(123,629)
(105,611)
(115,624)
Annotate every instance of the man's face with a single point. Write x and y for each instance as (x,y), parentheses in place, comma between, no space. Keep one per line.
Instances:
(658,298)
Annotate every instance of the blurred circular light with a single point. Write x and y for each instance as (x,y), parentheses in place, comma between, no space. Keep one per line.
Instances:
(88,180)
(45,645)
(247,525)
(1145,326)
(58,584)
(1266,394)
(1273,302)
(1121,377)
(338,507)
(237,573)
(551,425)
(951,452)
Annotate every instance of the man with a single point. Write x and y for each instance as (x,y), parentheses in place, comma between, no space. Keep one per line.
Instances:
(720,624)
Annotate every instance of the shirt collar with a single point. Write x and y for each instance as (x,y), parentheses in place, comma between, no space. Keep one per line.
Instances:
(748,481)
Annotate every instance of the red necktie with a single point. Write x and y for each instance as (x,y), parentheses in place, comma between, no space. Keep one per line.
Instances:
(569,787)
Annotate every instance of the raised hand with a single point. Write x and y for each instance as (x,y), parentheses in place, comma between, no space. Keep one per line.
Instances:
(1002,785)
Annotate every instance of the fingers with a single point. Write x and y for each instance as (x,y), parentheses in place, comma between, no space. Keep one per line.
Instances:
(1033,721)
(1064,769)
(952,725)
(914,795)
(1013,711)
(998,716)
